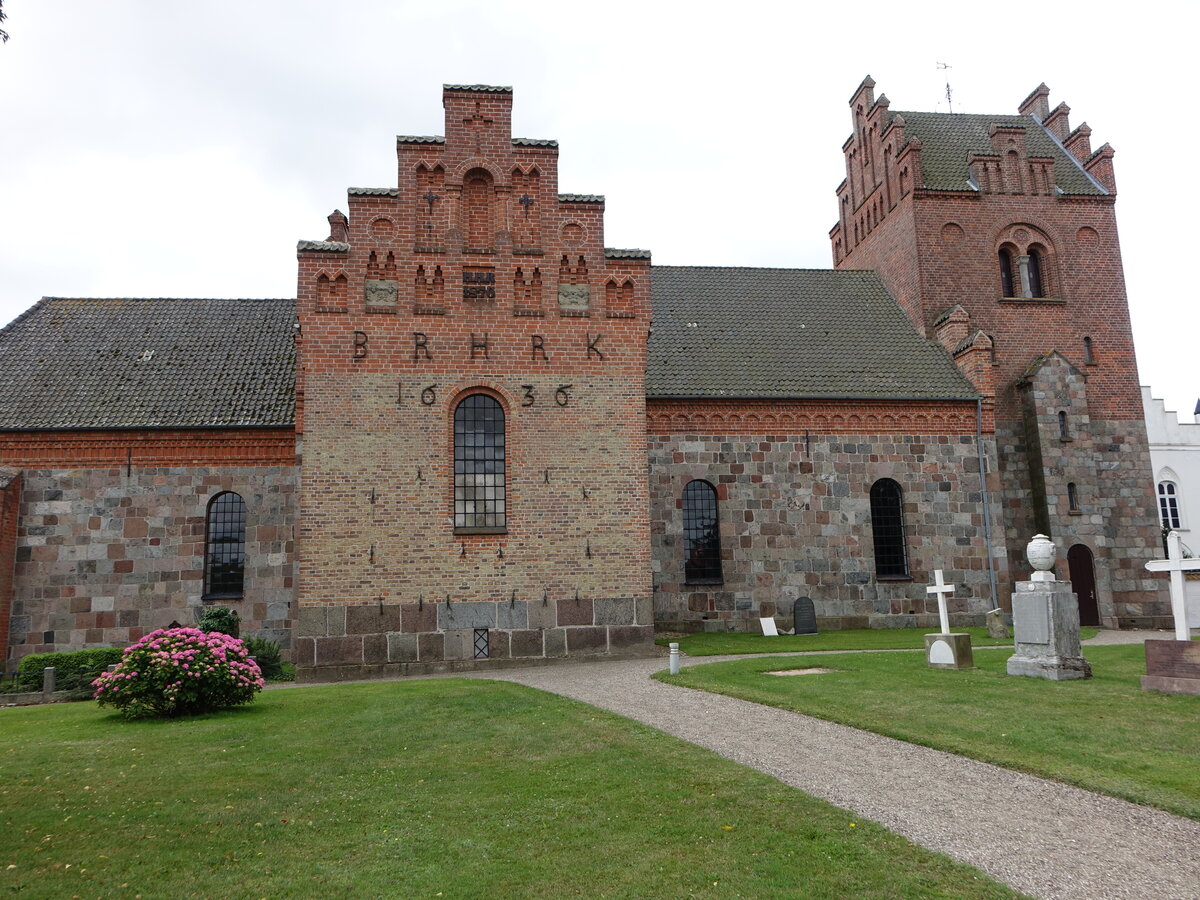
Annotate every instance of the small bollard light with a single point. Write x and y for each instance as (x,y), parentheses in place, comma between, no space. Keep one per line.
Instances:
(674,658)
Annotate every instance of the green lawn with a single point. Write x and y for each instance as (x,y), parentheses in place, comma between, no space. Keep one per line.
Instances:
(721,644)
(1104,734)
(448,788)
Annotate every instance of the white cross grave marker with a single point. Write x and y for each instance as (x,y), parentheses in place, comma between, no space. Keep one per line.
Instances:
(940,588)
(1176,565)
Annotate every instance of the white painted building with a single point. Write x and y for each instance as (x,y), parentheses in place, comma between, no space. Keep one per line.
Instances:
(1175,460)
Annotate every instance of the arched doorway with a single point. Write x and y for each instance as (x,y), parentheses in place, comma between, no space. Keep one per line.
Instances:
(1083,582)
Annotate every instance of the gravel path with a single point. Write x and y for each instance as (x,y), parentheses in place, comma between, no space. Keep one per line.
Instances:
(1045,839)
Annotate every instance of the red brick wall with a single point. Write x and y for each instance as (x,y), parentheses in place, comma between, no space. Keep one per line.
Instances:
(139,449)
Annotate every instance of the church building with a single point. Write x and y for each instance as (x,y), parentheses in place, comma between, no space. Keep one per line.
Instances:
(479,436)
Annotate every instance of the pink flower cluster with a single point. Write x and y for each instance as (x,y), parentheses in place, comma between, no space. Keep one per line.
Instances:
(180,670)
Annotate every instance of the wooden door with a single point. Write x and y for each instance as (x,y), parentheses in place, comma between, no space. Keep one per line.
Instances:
(1083,582)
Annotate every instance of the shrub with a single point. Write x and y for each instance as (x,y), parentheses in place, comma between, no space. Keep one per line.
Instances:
(179,672)
(266,654)
(222,619)
(73,669)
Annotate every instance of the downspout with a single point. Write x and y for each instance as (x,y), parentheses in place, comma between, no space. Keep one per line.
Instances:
(987,504)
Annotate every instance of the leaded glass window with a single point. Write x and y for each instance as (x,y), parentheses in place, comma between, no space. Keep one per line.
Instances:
(887,528)
(225,547)
(701,533)
(479,489)
(1168,505)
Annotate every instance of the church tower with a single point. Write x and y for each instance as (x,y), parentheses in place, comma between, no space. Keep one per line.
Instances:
(471,413)
(997,236)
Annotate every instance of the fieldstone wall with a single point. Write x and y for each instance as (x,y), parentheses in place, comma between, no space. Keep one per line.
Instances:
(795,521)
(387,639)
(104,556)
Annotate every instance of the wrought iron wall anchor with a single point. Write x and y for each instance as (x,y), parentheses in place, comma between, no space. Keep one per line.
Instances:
(421,603)
(513,600)
(447,601)
(576,595)
(500,552)
(372,553)
(588,551)
(585,493)
(545,476)
(545,597)
(419,478)
(464,549)
(372,496)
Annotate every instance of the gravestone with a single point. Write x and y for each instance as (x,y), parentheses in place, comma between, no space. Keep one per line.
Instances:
(768,627)
(1046,621)
(805,613)
(945,650)
(995,624)
(1173,667)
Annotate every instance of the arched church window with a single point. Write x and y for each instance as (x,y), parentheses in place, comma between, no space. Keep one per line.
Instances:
(701,533)
(1072,497)
(1035,273)
(479,482)
(225,547)
(1064,433)
(1168,504)
(1089,355)
(887,529)
(1006,273)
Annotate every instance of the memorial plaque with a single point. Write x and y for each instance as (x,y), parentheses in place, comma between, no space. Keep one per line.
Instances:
(381,293)
(1031,620)
(573,296)
(806,616)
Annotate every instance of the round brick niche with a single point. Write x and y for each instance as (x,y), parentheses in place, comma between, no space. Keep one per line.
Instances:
(382,228)
(952,233)
(572,234)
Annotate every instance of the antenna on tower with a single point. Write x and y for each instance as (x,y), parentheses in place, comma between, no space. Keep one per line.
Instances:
(949,90)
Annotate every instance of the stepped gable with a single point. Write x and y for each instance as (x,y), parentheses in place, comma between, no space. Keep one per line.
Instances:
(794,333)
(149,363)
(949,139)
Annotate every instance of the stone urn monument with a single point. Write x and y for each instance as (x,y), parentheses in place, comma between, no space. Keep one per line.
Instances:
(1046,621)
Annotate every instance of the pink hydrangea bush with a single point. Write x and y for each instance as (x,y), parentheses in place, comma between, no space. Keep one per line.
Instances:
(180,672)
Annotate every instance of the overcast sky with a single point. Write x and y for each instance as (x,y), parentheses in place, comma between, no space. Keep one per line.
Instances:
(162,148)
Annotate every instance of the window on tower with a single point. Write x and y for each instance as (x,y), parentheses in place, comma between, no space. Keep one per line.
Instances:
(1006,273)
(1035,273)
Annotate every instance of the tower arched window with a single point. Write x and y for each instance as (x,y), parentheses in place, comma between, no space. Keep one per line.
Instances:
(225,547)
(887,529)
(1006,273)
(1035,273)
(1064,432)
(701,533)
(1072,497)
(1168,504)
(479,476)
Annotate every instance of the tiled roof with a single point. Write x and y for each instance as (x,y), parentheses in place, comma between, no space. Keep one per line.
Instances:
(420,139)
(324,246)
(534,142)
(482,88)
(148,364)
(796,333)
(616,253)
(373,192)
(948,139)
(581,198)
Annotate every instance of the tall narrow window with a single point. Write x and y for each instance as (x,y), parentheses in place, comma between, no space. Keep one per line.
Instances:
(1072,497)
(1089,356)
(1035,273)
(1006,274)
(1063,433)
(225,547)
(887,528)
(1168,505)
(479,501)
(701,533)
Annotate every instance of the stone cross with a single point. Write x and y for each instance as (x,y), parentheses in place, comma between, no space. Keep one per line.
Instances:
(1176,565)
(940,588)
